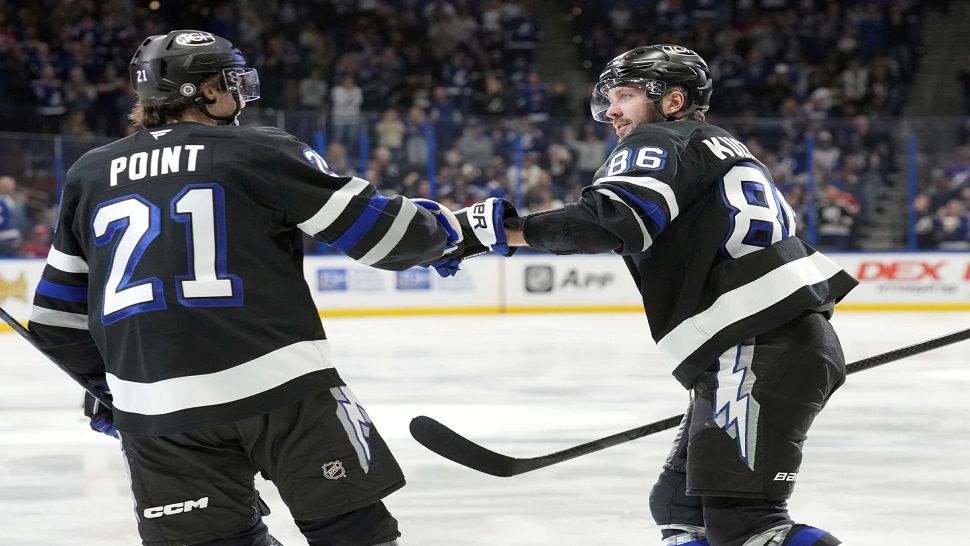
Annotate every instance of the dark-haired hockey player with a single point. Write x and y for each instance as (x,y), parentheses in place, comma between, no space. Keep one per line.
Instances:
(737,304)
(176,280)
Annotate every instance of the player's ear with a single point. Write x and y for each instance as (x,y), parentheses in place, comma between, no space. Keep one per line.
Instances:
(674,101)
(210,92)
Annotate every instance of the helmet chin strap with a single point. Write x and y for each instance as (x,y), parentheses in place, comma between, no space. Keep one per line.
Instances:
(231,119)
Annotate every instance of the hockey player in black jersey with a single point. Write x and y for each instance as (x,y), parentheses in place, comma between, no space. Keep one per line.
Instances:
(176,281)
(738,305)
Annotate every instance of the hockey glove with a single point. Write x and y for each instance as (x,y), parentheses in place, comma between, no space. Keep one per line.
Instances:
(446,219)
(447,265)
(483,229)
(100,416)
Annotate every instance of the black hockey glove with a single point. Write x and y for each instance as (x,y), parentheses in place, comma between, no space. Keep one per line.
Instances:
(100,416)
(483,229)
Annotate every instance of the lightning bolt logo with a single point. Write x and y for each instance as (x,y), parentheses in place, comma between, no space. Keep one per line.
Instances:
(734,407)
(355,422)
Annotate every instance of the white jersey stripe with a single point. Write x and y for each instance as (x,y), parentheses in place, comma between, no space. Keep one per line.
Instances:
(333,207)
(66,262)
(650,183)
(743,302)
(247,379)
(50,317)
(393,236)
(647,239)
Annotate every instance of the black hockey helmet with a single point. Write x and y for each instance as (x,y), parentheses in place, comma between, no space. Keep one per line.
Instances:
(655,69)
(172,66)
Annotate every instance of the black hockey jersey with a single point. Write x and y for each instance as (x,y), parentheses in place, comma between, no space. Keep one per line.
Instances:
(708,238)
(177,270)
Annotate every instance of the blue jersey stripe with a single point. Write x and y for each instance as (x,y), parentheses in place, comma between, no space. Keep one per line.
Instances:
(63,291)
(807,536)
(653,210)
(366,220)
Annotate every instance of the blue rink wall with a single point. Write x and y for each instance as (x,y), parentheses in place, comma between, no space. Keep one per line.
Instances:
(538,283)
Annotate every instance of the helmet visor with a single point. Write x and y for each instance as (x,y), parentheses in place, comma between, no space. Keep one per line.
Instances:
(244,82)
(600,100)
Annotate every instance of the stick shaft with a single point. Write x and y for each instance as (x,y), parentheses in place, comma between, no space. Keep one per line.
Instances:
(80,380)
(451,445)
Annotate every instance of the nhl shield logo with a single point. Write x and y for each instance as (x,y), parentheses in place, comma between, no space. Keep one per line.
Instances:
(334,470)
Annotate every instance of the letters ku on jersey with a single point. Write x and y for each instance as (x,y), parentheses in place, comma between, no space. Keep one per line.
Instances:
(709,240)
(177,270)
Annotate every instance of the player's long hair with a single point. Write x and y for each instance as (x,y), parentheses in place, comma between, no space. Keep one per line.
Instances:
(148,116)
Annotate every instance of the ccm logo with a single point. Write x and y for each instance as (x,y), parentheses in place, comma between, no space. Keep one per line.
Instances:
(176,508)
(786,476)
(899,271)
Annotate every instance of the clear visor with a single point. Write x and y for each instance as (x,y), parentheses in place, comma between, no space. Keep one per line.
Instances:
(244,82)
(619,92)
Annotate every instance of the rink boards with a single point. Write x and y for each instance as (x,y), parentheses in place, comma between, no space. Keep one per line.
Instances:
(533,283)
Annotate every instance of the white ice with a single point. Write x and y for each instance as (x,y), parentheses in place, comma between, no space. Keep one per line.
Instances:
(884,463)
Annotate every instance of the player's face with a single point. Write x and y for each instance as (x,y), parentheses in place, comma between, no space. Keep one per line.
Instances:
(225,103)
(629,107)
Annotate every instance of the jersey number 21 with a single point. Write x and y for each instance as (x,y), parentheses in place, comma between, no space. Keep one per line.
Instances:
(201,207)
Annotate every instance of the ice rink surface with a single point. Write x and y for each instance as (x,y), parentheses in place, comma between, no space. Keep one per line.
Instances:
(885,462)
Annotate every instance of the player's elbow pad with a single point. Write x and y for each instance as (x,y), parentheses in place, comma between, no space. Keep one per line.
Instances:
(561,232)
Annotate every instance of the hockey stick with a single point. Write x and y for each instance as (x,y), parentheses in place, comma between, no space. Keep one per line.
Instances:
(85,384)
(91,389)
(451,445)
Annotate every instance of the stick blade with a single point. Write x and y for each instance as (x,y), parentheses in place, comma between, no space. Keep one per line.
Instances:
(455,447)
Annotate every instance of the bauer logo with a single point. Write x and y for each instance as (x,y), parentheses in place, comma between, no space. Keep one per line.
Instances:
(176,508)
(332,280)
(414,279)
(539,278)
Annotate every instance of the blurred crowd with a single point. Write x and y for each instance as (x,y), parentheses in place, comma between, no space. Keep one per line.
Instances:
(444,97)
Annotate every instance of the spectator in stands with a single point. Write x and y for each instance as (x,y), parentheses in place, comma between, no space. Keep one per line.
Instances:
(837,211)
(445,116)
(384,172)
(338,160)
(827,154)
(51,103)
(39,243)
(345,114)
(416,141)
(475,145)
(533,99)
(390,132)
(925,223)
(79,93)
(109,104)
(494,99)
(590,150)
(313,91)
(76,125)
(952,226)
(9,234)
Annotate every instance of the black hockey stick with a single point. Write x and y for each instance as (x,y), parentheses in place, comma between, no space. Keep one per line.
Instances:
(93,390)
(451,445)
(90,388)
